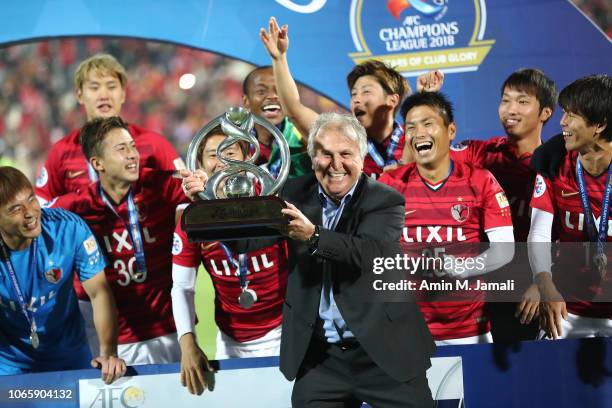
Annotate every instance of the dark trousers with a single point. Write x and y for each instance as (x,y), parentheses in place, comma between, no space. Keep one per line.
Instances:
(344,376)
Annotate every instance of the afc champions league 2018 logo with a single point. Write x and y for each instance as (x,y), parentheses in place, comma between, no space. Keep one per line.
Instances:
(416,36)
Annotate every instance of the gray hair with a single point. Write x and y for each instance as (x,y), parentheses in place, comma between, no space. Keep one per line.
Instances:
(349,125)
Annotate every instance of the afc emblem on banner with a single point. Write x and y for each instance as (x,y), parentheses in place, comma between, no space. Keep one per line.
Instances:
(416,36)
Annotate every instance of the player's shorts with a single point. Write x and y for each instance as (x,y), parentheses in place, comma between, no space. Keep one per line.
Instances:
(479,339)
(576,327)
(268,345)
(158,350)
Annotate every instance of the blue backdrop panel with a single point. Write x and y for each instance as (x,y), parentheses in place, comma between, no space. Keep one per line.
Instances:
(563,373)
(327,37)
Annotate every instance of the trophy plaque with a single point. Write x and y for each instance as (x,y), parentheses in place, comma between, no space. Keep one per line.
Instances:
(238,213)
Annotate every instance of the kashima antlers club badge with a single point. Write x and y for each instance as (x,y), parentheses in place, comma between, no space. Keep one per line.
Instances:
(460,212)
(53,275)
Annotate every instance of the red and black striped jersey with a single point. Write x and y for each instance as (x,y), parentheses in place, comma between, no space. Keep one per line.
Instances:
(267,275)
(561,198)
(467,204)
(143,300)
(66,170)
(511,171)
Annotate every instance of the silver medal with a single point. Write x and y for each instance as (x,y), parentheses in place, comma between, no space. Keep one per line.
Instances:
(601,263)
(247,298)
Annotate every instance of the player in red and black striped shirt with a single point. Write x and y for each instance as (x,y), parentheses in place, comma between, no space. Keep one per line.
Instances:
(100,83)
(243,332)
(127,210)
(376,94)
(450,202)
(528,99)
(558,208)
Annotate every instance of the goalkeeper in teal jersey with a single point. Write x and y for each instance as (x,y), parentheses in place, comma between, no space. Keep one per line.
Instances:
(41,328)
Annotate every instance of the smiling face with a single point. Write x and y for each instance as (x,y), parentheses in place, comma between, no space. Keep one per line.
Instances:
(520,115)
(261,97)
(20,219)
(101,94)
(118,160)
(577,133)
(336,162)
(209,160)
(429,137)
(370,104)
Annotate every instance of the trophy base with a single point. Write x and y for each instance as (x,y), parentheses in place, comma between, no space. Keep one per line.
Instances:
(234,219)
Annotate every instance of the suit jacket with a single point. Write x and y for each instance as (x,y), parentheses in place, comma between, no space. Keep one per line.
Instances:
(393,334)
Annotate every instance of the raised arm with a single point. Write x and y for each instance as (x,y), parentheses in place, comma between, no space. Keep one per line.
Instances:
(276,41)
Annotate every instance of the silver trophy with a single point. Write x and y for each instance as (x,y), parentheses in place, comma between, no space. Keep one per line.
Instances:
(240,214)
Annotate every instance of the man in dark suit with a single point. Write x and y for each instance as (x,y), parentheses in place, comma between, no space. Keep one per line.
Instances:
(340,346)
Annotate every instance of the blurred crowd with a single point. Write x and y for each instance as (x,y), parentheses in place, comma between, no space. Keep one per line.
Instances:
(599,11)
(38,105)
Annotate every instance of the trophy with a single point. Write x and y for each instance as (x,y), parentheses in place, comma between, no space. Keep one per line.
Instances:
(241,214)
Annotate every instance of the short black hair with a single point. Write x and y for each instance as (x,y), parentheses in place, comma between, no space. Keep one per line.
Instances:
(534,82)
(591,98)
(93,132)
(435,100)
(247,79)
(218,131)
(391,81)
(12,181)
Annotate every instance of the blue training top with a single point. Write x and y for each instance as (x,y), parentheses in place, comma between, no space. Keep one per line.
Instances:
(66,244)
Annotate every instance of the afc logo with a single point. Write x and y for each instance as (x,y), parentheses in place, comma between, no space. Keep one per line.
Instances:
(112,397)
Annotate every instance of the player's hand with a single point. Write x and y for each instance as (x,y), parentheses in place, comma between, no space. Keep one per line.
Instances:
(196,372)
(530,303)
(276,40)
(432,81)
(300,227)
(112,367)
(193,183)
(407,154)
(552,308)
(551,314)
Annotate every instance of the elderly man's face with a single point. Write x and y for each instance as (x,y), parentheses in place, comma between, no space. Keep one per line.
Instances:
(337,163)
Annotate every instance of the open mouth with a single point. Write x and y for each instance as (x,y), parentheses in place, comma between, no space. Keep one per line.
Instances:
(272,109)
(131,167)
(31,225)
(335,175)
(423,148)
(104,107)
(511,121)
(359,113)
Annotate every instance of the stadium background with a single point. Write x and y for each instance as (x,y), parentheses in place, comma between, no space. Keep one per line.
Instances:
(38,106)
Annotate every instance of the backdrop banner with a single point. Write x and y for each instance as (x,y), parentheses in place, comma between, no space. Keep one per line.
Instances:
(477,43)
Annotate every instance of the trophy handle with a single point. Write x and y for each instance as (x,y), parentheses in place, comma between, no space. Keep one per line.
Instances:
(237,124)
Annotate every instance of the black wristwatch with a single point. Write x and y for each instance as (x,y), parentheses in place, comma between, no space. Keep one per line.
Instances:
(313,241)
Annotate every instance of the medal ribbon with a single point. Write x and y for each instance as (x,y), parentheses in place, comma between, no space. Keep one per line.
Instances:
(93,176)
(133,228)
(594,236)
(29,315)
(390,153)
(240,264)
